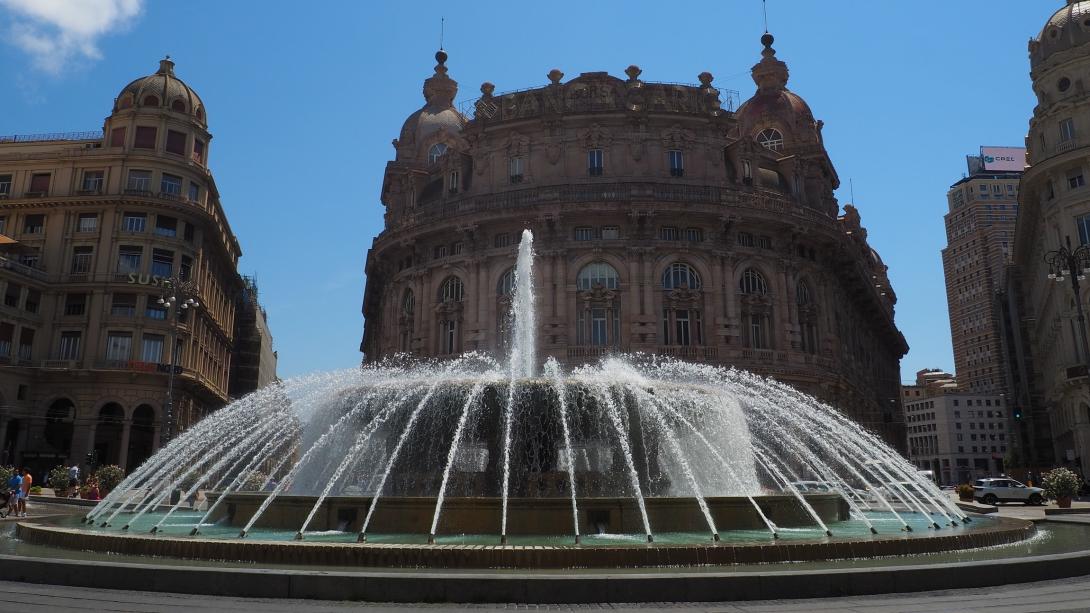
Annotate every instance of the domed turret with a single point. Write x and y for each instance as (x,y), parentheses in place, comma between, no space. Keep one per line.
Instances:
(774,103)
(1069,27)
(438,113)
(162,90)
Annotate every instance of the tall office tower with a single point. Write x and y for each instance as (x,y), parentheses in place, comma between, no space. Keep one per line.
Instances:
(983,208)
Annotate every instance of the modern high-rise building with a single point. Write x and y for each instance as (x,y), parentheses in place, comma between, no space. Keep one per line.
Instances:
(666,221)
(101,220)
(980,225)
(1054,215)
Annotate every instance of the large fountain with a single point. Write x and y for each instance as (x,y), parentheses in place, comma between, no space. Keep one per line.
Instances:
(636,460)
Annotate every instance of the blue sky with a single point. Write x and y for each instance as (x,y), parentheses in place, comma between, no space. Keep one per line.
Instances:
(304,98)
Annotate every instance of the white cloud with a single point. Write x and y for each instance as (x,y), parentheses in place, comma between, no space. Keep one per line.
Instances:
(54,32)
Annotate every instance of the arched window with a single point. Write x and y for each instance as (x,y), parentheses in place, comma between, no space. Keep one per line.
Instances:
(452,290)
(177,106)
(752,282)
(599,321)
(506,284)
(598,273)
(200,113)
(125,102)
(405,320)
(682,306)
(771,139)
(680,275)
(437,150)
(807,312)
(59,424)
(151,101)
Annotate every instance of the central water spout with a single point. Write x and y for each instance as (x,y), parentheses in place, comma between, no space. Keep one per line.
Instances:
(523,312)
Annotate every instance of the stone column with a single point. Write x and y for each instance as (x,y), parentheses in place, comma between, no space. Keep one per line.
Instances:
(158,431)
(123,453)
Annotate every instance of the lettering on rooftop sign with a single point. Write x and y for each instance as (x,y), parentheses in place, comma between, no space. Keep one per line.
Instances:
(1003,159)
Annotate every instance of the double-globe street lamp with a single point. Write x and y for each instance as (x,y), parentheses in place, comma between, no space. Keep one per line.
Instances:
(1074,264)
(179,296)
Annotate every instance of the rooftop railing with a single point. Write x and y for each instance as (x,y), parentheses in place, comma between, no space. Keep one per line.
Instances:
(51,136)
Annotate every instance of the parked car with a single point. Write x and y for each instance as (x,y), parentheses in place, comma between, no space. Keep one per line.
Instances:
(1001,489)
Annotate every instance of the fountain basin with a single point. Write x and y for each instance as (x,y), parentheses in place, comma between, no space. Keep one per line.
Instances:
(526,516)
(984,532)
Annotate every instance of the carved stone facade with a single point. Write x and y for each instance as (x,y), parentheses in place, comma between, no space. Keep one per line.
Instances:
(664,223)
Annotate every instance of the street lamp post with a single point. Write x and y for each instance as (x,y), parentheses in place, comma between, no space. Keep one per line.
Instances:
(1065,263)
(178,295)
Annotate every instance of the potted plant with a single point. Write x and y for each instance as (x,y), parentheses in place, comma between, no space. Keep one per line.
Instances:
(1061,484)
(58,479)
(965,492)
(108,477)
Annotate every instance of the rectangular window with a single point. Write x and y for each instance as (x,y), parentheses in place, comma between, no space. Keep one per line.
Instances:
(745,239)
(457,248)
(33,299)
(13,294)
(694,235)
(1075,179)
(7,335)
(514,169)
(139,181)
(677,163)
(87,222)
(668,233)
(194,192)
(452,182)
(5,185)
(152,349)
(26,343)
(584,233)
(145,137)
(81,260)
(594,162)
(119,346)
(198,150)
(166,226)
(185,268)
(92,181)
(171,186)
(34,224)
(128,258)
(758,331)
(175,142)
(134,222)
(502,239)
(187,234)
(75,304)
(439,251)
(764,242)
(162,263)
(123,305)
(69,346)
(117,137)
(39,184)
(1067,130)
(611,232)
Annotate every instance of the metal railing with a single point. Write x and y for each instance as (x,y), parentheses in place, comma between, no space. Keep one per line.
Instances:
(23,269)
(51,136)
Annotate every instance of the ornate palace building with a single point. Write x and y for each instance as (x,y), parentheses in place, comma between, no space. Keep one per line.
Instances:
(1055,213)
(665,222)
(100,220)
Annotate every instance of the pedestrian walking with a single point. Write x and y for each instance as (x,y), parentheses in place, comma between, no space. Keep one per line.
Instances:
(15,487)
(73,480)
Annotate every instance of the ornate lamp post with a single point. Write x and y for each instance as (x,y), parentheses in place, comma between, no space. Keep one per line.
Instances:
(1066,263)
(178,295)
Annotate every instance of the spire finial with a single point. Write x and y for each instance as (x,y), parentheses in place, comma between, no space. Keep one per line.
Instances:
(166,65)
(764,8)
(442,30)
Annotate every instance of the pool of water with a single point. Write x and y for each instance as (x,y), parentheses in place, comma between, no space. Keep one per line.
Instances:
(180,524)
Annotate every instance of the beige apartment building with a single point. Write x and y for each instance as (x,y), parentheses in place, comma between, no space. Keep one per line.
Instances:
(983,209)
(958,436)
(666,221)
(101,220)
(1055,213)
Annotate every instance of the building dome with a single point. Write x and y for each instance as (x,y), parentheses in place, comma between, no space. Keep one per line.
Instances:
(774,104)
(1068,28)
(438,112)
(162,90)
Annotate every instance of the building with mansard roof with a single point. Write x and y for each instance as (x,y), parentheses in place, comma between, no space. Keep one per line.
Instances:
(667,221)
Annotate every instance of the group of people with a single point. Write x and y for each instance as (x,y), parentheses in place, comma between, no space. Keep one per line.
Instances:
(18,489)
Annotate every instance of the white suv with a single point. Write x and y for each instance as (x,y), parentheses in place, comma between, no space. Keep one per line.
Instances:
(992,491)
